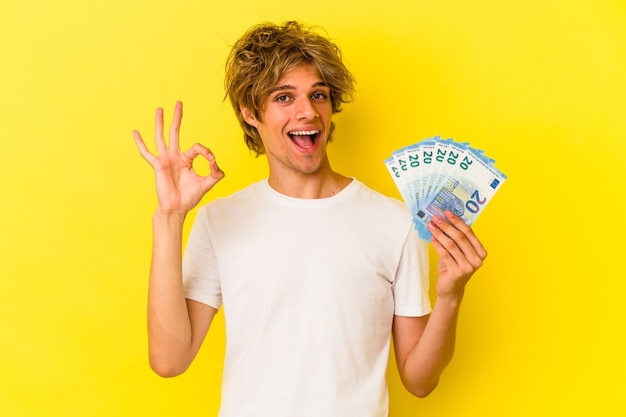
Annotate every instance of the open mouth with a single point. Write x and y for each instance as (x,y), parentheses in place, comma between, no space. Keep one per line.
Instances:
(304,138)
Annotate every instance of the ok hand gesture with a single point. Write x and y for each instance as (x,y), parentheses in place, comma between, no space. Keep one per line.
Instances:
(179,187)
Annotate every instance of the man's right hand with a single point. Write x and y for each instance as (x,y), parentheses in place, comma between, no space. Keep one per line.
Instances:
(179,187)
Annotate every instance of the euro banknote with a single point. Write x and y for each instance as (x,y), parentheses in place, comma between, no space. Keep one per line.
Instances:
(436,175)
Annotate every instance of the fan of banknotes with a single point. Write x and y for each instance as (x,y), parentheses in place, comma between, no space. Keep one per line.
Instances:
(437,174)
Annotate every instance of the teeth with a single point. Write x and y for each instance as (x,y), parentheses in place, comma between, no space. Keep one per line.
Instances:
(304,132)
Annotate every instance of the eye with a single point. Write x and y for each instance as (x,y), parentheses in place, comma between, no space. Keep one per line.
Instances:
(283,98)
(318,96)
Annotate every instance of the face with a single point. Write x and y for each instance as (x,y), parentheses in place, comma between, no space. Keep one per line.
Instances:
(296,120)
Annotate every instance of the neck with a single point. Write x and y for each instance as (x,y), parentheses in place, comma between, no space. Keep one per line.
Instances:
(317,185)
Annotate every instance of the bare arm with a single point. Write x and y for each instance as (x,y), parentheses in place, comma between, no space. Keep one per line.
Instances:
(176,326)
(424,346)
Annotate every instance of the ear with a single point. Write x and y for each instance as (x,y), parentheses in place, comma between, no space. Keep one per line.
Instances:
(249,117)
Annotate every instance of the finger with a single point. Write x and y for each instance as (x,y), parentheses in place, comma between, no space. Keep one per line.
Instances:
(443,243)
(196,150)
(199,149)
(175,126)
(468,232)
(158,131)
(143,149)
(216,171)
(213,178)
(454,242)
(452,258)
(444,255)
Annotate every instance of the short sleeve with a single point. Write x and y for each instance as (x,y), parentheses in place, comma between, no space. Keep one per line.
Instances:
(411,284)
(200,272)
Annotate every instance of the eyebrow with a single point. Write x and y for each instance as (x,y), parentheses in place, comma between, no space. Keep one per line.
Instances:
(291,87)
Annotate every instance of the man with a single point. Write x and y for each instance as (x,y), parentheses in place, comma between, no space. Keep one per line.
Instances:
(313,269)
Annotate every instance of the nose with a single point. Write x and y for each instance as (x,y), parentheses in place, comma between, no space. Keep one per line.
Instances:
(305,109)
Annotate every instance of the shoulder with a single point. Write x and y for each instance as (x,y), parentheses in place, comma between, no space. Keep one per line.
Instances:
(250,193)
(379,201)
(378,213)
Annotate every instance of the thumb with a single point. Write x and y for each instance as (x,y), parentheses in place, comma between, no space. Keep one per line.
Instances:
(215,175)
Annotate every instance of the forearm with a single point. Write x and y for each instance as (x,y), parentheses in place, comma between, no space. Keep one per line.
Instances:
(169,328)
(425,363)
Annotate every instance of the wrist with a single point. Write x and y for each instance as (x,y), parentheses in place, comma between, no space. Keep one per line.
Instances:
(169,217)
(451,300)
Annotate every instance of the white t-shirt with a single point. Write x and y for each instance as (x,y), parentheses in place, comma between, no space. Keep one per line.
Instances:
(309,288)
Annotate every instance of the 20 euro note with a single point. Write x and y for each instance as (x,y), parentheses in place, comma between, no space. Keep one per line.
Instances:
(459,178)
(410,169)
(468,187)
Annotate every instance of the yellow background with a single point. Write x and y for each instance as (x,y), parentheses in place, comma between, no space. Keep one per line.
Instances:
(540,85)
